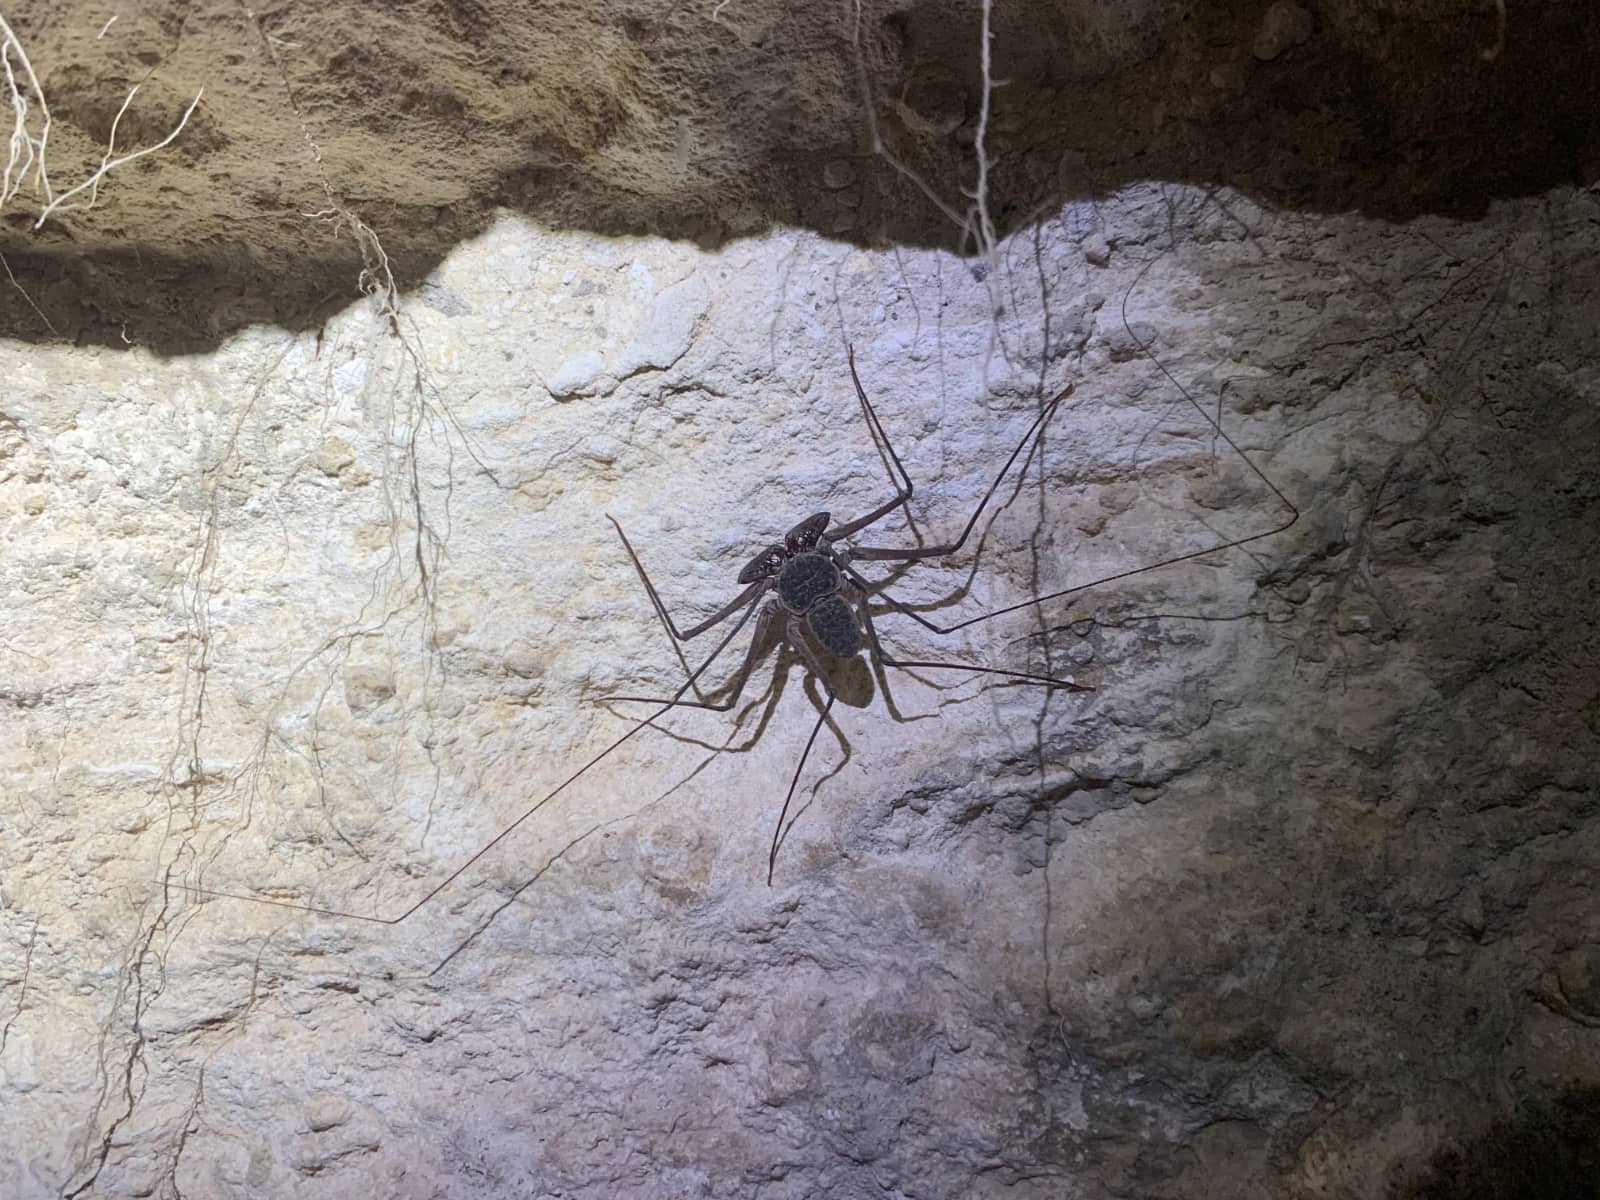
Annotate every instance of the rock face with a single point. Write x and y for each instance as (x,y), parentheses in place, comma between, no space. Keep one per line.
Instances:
(713,120)
(326,613)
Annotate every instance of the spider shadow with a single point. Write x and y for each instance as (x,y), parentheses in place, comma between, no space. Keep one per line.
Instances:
(854,682)
(957,590)
(856,690)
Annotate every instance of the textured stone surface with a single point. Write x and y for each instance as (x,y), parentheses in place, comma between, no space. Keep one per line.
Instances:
(1298,902)
(710,121)
(1303,890)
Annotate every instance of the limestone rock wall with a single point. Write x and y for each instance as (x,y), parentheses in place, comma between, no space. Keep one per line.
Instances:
(1301,891)
(326,613)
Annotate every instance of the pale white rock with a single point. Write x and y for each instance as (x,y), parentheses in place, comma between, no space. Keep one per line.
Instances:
(525,660)
(368,685)
(665,335)
(334,455)
(577,374)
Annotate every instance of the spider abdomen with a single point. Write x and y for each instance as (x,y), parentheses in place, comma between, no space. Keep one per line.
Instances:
(809,586)
(805,579)
(834,625)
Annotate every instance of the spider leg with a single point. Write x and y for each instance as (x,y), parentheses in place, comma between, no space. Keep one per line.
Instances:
(1075,588)
(777,829)
(504,833)
(763,624)
(1288,506)
(916,553)
(903,487)
(797,639)
(722,614)
(911,664)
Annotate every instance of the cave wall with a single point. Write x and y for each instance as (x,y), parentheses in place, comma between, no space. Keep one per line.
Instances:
(1296,901)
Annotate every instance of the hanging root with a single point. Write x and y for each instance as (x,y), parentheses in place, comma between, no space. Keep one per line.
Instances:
(975,223)
(27,150)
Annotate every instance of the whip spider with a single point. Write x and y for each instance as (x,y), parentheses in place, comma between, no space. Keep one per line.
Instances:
(807,588)
(808,581)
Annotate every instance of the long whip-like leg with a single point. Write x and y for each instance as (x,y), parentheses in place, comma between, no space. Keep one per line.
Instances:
(665,618)
(1216,426)
(722,614)
(499,837)
(903,486)
(916,553)
(797,638)
(1082,587)
(794,780)
(907,664)
(763,624)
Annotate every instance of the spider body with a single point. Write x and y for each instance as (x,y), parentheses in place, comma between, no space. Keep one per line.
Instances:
(807,588)
(808,581)
(832,623)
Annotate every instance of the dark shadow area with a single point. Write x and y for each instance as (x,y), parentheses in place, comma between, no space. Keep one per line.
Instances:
(632,120)
(1550,1150)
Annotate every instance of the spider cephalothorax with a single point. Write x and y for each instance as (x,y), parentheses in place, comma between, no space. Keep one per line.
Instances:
(809,584)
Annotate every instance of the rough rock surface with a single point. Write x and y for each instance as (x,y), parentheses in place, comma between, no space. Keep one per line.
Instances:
(718,119)
(1298,902)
